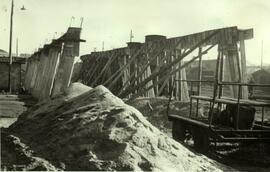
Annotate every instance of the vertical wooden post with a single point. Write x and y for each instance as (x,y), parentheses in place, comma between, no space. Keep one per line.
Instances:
(200,71)
(177,82)
(151,92)
(243,66)
(232,67)
(168,82)
(172,77)
(124,76)
(136,73)
(180,78)
(221,73)
(157,78)
(183,87)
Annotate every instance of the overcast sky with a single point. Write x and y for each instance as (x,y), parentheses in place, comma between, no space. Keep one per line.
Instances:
(111,21)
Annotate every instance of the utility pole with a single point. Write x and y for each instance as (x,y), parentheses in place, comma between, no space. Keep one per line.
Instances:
(102,45)
(131,36)
(10,47)
(71,20)
(81,22)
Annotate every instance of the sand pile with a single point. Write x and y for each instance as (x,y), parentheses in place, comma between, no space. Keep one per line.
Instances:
(98,131)
(16,156)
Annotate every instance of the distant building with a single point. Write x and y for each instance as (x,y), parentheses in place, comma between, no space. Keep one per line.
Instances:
(16,74)
(261,76)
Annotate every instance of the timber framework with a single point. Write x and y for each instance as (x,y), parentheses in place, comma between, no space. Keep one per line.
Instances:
(150,68)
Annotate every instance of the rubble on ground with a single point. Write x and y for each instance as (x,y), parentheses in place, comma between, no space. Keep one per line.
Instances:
(96,130)
(155,110)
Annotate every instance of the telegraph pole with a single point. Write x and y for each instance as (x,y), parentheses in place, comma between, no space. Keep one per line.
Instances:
(10,47)
(131,36)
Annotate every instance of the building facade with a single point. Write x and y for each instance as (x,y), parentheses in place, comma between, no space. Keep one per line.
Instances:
(15,74)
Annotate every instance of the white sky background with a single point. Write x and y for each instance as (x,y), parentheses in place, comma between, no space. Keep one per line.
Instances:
(111,21)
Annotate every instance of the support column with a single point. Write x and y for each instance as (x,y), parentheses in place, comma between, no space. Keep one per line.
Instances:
(243,66)
(183,87)
(232,71)
(133,47)
(65,69)
(200,71)
(177,83)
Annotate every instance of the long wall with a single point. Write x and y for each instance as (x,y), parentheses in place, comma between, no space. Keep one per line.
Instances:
(49,70)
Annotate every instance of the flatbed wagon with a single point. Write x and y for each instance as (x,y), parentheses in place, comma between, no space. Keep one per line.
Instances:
(228,119)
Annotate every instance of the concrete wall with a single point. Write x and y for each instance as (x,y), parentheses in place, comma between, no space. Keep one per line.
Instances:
(50,69)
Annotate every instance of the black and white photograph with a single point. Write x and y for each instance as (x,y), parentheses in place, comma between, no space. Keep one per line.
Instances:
(135,85)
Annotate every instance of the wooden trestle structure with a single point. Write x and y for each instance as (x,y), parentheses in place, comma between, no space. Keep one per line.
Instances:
(149,69)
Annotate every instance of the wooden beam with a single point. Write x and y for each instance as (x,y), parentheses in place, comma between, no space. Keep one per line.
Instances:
(226,35)
(110,60)
(168,66)
(232,67)
(221,73)
(131,79)
(243,66)
(200,71)
(95,68)
(165,78)
(90,71)
(118,73)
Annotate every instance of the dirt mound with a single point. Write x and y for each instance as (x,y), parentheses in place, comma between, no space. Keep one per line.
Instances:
(76,89)
(98,131)
(17,156)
